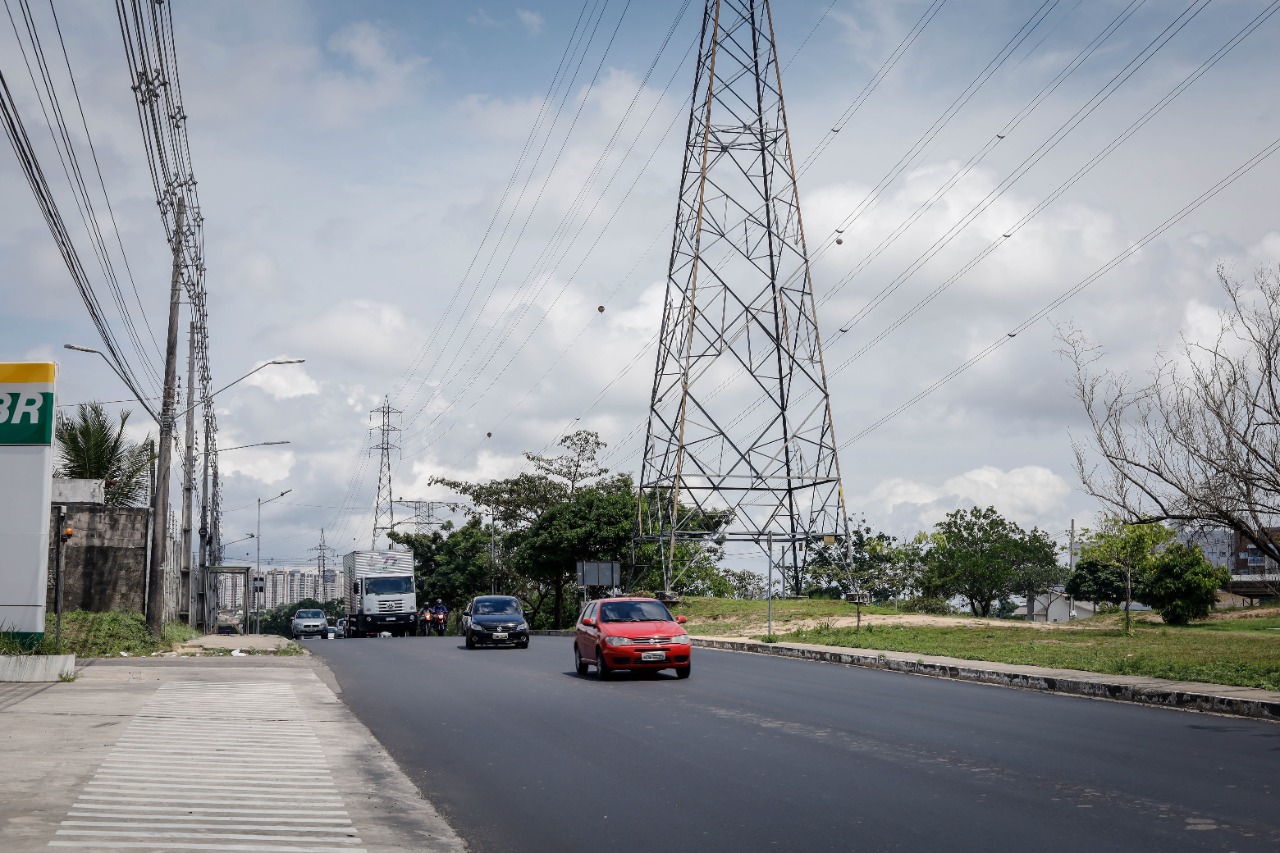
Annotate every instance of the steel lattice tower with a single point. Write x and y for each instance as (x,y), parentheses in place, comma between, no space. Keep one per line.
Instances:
(384,511)
(739,417)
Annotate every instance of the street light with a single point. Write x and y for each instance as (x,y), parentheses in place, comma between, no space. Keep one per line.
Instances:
(136,393)
(241,379)
(206,537)
(258,540)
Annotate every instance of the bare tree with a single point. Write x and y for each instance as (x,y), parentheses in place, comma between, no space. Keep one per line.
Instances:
(1199,445)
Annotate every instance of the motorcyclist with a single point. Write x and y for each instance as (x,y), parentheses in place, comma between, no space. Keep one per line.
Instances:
(439,614)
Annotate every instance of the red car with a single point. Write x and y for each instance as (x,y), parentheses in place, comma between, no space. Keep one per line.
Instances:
(638,634)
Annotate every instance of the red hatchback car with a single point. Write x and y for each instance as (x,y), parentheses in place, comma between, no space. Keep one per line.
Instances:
(638,634)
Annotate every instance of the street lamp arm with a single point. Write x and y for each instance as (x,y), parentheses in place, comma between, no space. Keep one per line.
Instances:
(127,383)
(184,412)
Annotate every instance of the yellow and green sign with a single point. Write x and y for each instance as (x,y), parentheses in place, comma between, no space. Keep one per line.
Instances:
(26,404)
(26,472)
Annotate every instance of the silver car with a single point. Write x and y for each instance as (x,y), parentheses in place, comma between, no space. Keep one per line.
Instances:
(309,623)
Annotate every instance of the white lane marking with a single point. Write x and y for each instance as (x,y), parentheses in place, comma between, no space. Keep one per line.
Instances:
(207,809)
(192,799)
(193,825)
(229,792)
(204,818)
(188,845)
(233,836)
(214,767)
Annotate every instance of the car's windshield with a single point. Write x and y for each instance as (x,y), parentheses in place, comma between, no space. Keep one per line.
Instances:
(309,614)
(388,586)
(496,607)
(634,611)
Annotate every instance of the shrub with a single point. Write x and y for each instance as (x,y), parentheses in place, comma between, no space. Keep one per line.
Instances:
(927,604)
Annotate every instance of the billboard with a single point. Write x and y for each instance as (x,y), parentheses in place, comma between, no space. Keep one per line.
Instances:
(26,479)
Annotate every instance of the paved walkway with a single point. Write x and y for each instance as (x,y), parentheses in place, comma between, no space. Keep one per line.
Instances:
(245,753)
(1188,695)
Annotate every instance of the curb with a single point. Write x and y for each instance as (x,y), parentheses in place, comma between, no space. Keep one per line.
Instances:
(33,668)
(1146,691)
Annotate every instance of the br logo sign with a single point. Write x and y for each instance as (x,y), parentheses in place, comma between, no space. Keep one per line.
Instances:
(26,404)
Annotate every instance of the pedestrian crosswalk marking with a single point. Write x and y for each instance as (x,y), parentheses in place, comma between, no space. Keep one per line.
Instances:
(278,799)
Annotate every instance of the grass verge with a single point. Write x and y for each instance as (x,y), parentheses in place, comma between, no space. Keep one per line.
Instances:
(1213,652)
(96,635)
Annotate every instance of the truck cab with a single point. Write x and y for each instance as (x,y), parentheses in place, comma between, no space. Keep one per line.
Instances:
(383,602)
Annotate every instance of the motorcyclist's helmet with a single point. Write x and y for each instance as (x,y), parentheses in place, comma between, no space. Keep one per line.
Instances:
(438,601)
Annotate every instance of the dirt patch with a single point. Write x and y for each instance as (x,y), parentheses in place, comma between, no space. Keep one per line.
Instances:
(1246,613)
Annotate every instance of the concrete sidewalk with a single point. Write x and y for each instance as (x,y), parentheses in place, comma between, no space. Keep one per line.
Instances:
(1187,695)
(226,753)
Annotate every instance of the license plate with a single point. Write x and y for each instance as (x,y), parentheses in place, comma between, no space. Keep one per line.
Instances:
(653,656)
(499,635)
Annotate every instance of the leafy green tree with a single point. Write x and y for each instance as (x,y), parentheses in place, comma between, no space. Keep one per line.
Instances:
(861,561)
(1129,547)
(1096,582)
(744,583)
(595,523)
(578,465)
(92,447)
(978,555)
(1181,584)
(452,565)
(1037,568)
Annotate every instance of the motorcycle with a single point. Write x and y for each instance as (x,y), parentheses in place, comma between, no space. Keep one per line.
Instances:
(437,623)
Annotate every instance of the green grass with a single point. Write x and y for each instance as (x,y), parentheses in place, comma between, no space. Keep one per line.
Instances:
(729,616)
(95,635)
(1204,652)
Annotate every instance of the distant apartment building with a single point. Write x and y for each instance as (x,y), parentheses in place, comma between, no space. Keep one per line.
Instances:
(279,585)
(1253,574)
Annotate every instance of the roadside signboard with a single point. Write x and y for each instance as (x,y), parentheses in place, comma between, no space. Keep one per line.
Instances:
(26,481)
(591,573)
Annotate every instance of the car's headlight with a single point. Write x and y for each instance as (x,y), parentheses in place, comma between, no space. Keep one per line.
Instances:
(618,641)
(523,626)
(680,640)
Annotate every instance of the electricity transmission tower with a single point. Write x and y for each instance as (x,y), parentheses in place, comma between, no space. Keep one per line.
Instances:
(326,566)
(384,510)
(424,513)
(739,418)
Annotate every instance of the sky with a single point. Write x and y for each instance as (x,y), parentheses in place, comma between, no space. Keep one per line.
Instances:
(398,193)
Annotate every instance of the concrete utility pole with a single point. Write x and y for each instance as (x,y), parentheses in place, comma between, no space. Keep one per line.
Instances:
(160,497)
(189,581)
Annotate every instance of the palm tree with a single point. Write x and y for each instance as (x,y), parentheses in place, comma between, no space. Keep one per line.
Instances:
(91,447)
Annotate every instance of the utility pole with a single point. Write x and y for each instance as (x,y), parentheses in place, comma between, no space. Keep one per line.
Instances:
(189,581)
(160,496)
(384,516)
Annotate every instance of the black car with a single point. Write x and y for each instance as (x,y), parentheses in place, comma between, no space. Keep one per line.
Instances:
(495,620)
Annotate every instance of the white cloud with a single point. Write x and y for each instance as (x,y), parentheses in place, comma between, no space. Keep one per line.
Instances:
(1030,495)
(284,381)
(532,21)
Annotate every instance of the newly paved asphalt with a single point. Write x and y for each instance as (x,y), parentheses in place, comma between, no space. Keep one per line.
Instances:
(519,753)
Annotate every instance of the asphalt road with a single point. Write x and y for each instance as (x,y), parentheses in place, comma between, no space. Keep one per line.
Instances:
(752,753)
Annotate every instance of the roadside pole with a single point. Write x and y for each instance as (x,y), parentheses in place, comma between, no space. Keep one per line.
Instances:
(160,497)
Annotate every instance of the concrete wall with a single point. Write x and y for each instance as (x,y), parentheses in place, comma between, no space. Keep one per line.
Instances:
(105,559)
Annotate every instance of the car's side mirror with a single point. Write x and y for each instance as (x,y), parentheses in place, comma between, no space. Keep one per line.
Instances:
(355,589)
(587,620)
(681,619)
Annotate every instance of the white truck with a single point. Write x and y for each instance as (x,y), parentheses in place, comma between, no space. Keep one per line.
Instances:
(380,593)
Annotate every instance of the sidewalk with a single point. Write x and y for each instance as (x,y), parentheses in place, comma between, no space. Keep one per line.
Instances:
(1187,695)
(222,753)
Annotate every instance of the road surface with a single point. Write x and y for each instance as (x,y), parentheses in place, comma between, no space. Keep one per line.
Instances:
(758,753)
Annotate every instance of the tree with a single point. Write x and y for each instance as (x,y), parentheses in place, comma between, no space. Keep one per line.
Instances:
(595,523)
(979,556)
(1182,585)
(859,562)
(91,447)
(1037,569)
(577,466)
(1131,548)
(1096,581)
(1200,443)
